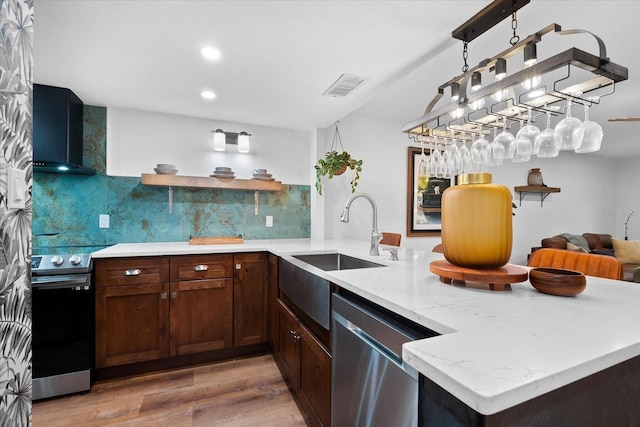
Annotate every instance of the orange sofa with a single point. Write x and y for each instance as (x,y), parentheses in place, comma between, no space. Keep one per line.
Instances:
(598,244)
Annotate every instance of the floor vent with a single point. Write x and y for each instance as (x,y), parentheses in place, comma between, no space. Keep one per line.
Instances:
(345,84)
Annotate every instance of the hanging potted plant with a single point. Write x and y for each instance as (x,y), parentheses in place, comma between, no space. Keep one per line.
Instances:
(336,162)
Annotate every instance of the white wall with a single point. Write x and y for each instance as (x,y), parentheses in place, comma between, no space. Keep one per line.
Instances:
(138,140)
(627,197)
(596,193)
(591,187)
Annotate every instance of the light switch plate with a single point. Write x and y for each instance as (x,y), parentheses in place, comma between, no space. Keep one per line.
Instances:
(269,221)
(16,188)
(103,221)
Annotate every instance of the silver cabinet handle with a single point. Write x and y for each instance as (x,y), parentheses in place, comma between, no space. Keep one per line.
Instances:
(132,272)
(294,334)
(174,295)
(201,267)
(163,295)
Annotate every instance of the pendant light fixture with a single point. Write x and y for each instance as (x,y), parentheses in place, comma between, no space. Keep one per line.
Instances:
(219,140)
(243,142)
(476,81)
(501,68)
(540,82)
(222,138)
(530,54)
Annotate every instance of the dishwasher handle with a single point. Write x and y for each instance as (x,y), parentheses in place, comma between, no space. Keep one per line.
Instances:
(373,325)
(385,352)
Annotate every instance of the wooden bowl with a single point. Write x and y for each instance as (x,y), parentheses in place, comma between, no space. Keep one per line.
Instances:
(557,281)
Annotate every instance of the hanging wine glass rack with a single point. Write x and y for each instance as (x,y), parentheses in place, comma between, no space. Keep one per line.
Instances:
(580,73)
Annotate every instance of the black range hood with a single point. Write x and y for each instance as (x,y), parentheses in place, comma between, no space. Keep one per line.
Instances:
(57,131)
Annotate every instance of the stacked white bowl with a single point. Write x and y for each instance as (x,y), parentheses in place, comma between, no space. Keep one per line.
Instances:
(262,175)
(223,172)
(165,169)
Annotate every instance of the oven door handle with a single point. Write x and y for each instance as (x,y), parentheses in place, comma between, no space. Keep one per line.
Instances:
(62,282)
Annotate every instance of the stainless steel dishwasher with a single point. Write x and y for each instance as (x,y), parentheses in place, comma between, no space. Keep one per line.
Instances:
(371,386)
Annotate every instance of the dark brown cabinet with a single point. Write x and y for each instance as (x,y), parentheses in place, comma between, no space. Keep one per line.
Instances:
(150,308)
(306,364)
(289,350)
(315,375)
(201,308)
(250,320)
(132,310)
(272,302)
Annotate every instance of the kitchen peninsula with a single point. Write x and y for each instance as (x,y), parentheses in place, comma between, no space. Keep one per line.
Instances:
(498,351)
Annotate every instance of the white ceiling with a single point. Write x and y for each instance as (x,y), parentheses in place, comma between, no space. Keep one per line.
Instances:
(278,57)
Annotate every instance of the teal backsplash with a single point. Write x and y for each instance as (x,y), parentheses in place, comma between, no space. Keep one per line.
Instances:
(70,205)
(94,138)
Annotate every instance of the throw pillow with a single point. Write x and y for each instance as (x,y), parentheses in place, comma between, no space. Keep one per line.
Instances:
(575,248)
(628,251)
(608,252)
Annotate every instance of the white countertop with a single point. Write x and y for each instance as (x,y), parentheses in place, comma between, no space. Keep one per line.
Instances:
(497,349)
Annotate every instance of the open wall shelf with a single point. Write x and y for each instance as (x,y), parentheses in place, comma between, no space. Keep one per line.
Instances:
(171,181)
(539,189)
(210,182)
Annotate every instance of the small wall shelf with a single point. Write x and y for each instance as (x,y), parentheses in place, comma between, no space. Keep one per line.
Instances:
(210,182)
(171,181)
(539,189)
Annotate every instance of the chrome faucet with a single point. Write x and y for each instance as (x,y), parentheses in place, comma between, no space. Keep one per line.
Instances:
(375,235)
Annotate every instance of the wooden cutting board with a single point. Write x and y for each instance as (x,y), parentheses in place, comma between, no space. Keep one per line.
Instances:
(211,240)
(496,278)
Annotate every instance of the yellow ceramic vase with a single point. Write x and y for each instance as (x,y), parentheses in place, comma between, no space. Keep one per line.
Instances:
(476,222)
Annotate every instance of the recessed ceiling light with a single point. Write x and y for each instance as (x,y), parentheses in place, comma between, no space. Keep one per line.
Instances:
(207,94)
(210,53)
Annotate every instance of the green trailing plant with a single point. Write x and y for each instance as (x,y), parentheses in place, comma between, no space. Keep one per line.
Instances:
(336,163)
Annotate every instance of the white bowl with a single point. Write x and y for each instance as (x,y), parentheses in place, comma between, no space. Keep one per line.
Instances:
(165,171)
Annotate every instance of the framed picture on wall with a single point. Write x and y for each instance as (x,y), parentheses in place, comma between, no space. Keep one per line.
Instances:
(424,198)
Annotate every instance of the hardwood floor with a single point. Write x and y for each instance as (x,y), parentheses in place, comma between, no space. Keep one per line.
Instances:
(245,392)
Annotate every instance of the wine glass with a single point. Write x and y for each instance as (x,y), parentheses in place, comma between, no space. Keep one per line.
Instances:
(423,171)
(522,155)
(526,136)
(569,131)
(467,162)
(436,161)
(497,150)
(480,153)
(453,157)
(546,141)
(592,138)
(505,139)
(446,172)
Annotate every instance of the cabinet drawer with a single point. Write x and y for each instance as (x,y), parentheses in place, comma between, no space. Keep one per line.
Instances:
(196,267)
(131,271)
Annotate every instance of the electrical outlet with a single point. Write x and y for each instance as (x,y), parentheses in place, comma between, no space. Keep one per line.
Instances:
(103,221)
(269,221)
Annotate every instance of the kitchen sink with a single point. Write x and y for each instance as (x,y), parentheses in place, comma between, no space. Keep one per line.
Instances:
(336,261)
(311,293)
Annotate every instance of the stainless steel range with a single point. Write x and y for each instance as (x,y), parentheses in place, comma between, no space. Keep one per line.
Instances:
(63,324)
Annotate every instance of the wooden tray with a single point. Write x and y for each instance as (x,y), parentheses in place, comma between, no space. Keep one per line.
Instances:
(496,278)
(215,240)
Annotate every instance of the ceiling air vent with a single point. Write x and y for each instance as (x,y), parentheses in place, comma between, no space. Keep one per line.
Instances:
(344,85)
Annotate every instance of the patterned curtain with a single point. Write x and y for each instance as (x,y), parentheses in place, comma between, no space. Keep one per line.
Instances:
(16,148)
